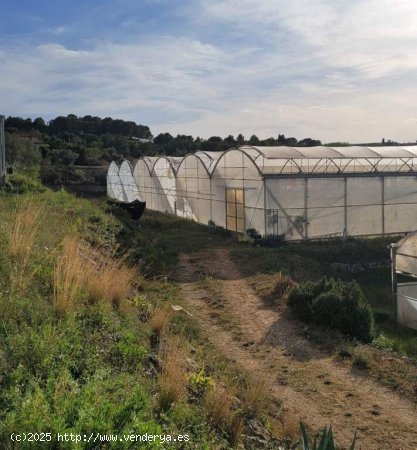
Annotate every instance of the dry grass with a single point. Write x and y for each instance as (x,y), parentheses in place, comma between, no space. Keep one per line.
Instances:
(218,404)
(101,276)
(172,379)
(290,427)
(160,320)
(109,278)
(283,285)
(69,276)
(21,236)
(254,396)
(273,289)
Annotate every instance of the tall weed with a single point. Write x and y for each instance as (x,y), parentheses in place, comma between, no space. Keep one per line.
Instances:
(172,379)
(21,235)
(84,273)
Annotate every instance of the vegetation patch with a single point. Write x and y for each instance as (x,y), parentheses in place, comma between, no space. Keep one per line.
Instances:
(335,304)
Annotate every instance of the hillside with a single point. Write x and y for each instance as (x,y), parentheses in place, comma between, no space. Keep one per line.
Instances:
(90,343)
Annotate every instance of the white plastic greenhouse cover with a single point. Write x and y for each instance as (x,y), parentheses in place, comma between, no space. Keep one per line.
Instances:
(293,192)
(406,254)
(407,304)
(324,159)
(129,185)
(114,185)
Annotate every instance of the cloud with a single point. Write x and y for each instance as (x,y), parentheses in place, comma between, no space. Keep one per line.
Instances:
(372,37)
(328,69)
(109,79)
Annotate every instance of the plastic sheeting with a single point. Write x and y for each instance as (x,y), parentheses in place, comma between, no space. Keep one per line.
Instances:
(129,185)
(407,304)
(406,254)
(299,193)
(114,185)
(193,188)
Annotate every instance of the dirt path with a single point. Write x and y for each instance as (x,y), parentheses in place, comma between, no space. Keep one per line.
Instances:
(311,385)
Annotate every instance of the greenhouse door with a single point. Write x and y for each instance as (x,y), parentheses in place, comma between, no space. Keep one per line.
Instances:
(235,210)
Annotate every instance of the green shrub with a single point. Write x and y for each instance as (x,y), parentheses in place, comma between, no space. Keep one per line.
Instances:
(361,361)
(334,304)
(302,296)
(253,233)
(22,184)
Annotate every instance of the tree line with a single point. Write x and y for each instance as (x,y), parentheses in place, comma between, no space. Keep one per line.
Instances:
(96,140)
(64,143)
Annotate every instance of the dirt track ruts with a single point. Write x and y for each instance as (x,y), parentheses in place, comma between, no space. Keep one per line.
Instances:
(312,385)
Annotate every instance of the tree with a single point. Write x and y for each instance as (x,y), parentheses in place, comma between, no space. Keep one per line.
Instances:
(254,140)
(308,142)
(291,142)
(281,139)
(240,139)
(230,142)
(213,144)
(21,151)
(16,124)
(63,157)
(163,139)
(40,125)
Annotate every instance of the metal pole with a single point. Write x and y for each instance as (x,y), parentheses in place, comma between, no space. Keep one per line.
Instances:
(345,231)
(265,220)
(2,149)
(306,208)
(393,252)
(383,204)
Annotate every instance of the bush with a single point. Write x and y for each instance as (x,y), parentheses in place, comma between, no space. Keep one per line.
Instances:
(361,361)
(335,304)
(302,296)
(22,184)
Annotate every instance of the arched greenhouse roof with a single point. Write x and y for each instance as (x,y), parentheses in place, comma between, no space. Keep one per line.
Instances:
(173,162)
(353,151)
(205,161)
(324,159)
(281,160)
(114,184)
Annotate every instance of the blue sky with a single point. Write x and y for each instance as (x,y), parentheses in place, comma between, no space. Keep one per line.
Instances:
(328,69)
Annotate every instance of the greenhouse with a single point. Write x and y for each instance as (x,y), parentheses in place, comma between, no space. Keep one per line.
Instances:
(293,192)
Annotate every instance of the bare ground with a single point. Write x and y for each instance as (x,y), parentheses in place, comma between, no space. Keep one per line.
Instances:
(311,384)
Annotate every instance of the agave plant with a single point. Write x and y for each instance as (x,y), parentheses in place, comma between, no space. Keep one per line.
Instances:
(326,440)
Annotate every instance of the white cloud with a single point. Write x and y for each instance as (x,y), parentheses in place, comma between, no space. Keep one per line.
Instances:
(328,69)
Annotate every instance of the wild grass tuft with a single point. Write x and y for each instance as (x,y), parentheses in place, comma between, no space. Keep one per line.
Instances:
(69,275)
(172,379)
(254,396)
(102,277)
(21,235)
(218,404)
(109,278)
(160,320)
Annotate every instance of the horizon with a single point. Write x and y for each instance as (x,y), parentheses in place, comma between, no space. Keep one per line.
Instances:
(217,68)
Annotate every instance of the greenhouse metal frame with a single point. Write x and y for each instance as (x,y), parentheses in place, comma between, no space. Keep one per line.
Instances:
(293,192)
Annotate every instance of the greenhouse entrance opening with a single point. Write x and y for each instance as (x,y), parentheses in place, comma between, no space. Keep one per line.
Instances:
(235,210)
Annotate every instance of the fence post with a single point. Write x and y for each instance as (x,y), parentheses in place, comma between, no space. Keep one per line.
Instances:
(393,252)
(2,150)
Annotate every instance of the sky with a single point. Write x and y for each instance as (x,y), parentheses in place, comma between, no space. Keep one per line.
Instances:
(334,70)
